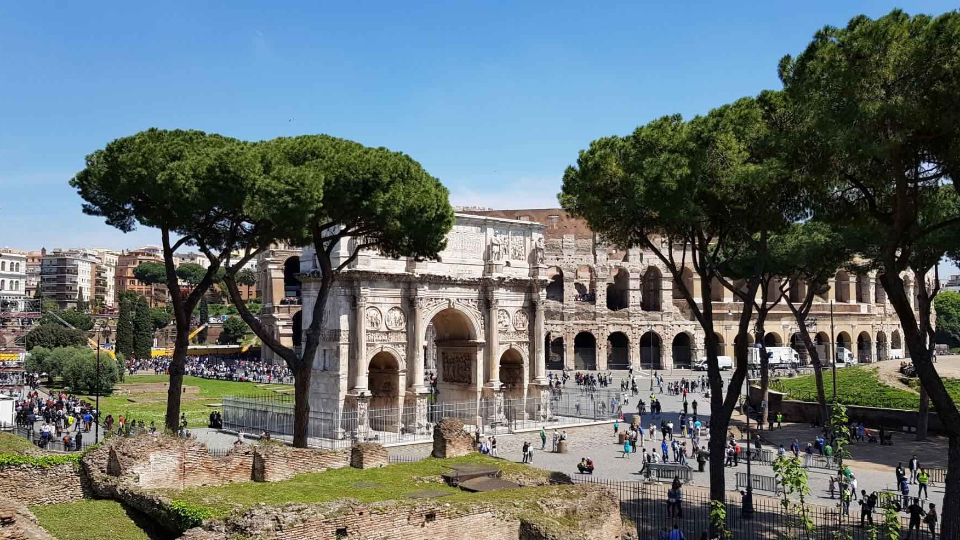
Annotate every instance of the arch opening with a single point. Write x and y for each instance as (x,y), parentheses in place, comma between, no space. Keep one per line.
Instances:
(555,350)
(682,351)
(585,285)
(385,381)
(455,350)
(651,290)
(618,351)
(650,351)
(618,292)
(844,345)
(797,344)
(841,289)
(772,339)
(511,373)
(864,348)
(555,286)
(291,285)
(585,351)
(881,346)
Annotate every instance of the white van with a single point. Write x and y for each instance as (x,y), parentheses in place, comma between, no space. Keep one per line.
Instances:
(725,362)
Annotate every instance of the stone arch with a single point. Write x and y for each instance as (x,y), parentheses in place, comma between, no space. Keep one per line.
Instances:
(798,291)
(650,345)
(618,351)
(881,345)
(511,369)
(585,284)
(863,289)
(555,285)
(844,341)
(291,284)
(555,354)
(879,294)
(386,382)
(772,339)
(797,344)
(682,350)
(585,351)
(618,292)
(895,342)
(864,348)
(841,289)
(468,325)
(686,276)
(736,340)
(721,345)
(652,279)
(456,333)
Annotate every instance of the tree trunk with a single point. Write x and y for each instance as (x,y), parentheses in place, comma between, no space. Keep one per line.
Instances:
(923,418)
(949,523)
(301,405)
(817,372)
(172,420)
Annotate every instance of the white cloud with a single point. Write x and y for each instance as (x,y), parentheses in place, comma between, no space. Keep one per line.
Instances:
(524,192)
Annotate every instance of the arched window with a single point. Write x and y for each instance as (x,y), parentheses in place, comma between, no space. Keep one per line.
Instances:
(3,266)
(2,283)
(651,290)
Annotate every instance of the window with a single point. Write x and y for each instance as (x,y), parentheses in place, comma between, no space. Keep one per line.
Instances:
(523,218)
(1,284)
(3,266)
(553,221)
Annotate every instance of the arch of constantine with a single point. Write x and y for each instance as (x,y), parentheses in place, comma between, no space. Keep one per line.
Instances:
(481,304)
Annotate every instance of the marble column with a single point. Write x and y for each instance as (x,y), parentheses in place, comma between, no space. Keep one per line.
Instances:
(540,365)
(360,375)
(493,343)
(416,326)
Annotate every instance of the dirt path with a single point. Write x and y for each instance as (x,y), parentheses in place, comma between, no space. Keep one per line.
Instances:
(889,374)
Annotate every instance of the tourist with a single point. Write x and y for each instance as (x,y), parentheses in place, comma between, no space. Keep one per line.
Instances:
(556,441)
(674,496)
(663,450)
(905,491)
(484,448)
(264,435)
(853,486)
(526,446)
(923,477)
(931,520)
(626,448)
(78,441)
(900,473)
(916,513)
(585,466)
(694,405)
(781,452)
(866,511)
(914,465)
(676,533)
(543,437)
(616,427)
(831,485)
(529,453)
(729,460)
(779,420)
(493,446)
(845,500)
(828,452)
(701,460)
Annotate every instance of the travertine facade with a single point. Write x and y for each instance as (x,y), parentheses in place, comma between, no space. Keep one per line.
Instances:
(608,308)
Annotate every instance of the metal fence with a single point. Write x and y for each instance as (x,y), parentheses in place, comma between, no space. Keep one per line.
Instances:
(341,427)
(645,505)
(54,443)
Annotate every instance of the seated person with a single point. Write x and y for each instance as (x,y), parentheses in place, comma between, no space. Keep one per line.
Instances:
(585,466)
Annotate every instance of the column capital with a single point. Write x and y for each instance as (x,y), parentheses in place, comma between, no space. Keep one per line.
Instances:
(493,303)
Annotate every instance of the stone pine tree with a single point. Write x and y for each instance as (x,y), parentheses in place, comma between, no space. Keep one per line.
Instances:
(124,341)
(807,255)
(190,186)
(686,191)
(319,191)
(247,278)
(884,96)
(142,329)
(204,315)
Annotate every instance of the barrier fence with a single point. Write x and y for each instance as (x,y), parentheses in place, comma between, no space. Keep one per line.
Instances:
(645,506)
(341,427)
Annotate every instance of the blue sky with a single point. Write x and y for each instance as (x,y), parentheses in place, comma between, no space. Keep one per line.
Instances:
(495,100)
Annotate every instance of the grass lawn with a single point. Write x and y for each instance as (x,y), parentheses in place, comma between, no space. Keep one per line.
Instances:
(13,444)
(144,397)
(857,385)
(952,386)
(97,520)
(386,483)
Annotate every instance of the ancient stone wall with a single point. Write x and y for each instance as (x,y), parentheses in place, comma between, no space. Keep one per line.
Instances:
(593,511)
(273,463)
(450,440)
(38,485)
(368,456)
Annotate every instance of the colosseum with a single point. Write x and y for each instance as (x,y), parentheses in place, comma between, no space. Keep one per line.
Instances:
(608,308)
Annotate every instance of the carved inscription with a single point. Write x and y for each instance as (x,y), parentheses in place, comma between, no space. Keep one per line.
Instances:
(457,367)
(514,336)
(386,337)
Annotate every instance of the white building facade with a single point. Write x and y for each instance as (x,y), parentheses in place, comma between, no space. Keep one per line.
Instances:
(13,272)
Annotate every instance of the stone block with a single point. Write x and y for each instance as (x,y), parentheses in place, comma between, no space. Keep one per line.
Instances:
(368,456)
(450,440)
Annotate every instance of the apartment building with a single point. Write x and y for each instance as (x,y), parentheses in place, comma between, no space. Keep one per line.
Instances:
(68,277)
(105,284)
(34,262)
(13,272)
(125,280)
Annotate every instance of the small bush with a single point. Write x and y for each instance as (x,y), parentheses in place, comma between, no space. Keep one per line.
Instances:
(189,515)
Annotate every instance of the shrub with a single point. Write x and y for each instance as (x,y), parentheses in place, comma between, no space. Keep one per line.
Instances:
(189,515)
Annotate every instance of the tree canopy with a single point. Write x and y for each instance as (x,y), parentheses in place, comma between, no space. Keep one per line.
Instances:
(150,273)
(233,331)
(191,273)
(947,304)
(52,336)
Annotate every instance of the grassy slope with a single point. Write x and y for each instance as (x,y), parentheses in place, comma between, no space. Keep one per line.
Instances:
(12,444)
(96,520)
(392,482)
(856,386)
(153,406)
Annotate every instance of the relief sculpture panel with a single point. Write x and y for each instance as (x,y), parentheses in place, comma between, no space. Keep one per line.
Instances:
(374,319)
(457,368)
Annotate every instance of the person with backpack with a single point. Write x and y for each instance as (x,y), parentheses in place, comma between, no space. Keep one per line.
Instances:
(866,509)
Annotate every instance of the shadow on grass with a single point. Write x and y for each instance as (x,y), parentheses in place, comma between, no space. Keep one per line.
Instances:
(146,524)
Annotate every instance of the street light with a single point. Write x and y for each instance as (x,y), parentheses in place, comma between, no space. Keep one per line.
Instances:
(748,499)
(104,326)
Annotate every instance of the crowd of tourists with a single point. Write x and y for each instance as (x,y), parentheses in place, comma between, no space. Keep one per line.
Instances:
(63,418)
(240,368)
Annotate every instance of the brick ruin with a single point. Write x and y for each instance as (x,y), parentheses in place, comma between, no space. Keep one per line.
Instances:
(132,470)
(450,440)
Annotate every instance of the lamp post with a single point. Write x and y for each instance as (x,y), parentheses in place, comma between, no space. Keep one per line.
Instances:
(833,351)
(748,499)
(96,420)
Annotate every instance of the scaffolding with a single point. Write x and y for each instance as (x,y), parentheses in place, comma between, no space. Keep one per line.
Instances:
(18,314)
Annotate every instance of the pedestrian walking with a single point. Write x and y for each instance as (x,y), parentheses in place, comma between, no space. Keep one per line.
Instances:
(916,514)
(493,446)
(914,465)
(866,511)
(779,420)
(626,448)
(931,520)
(524,448)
